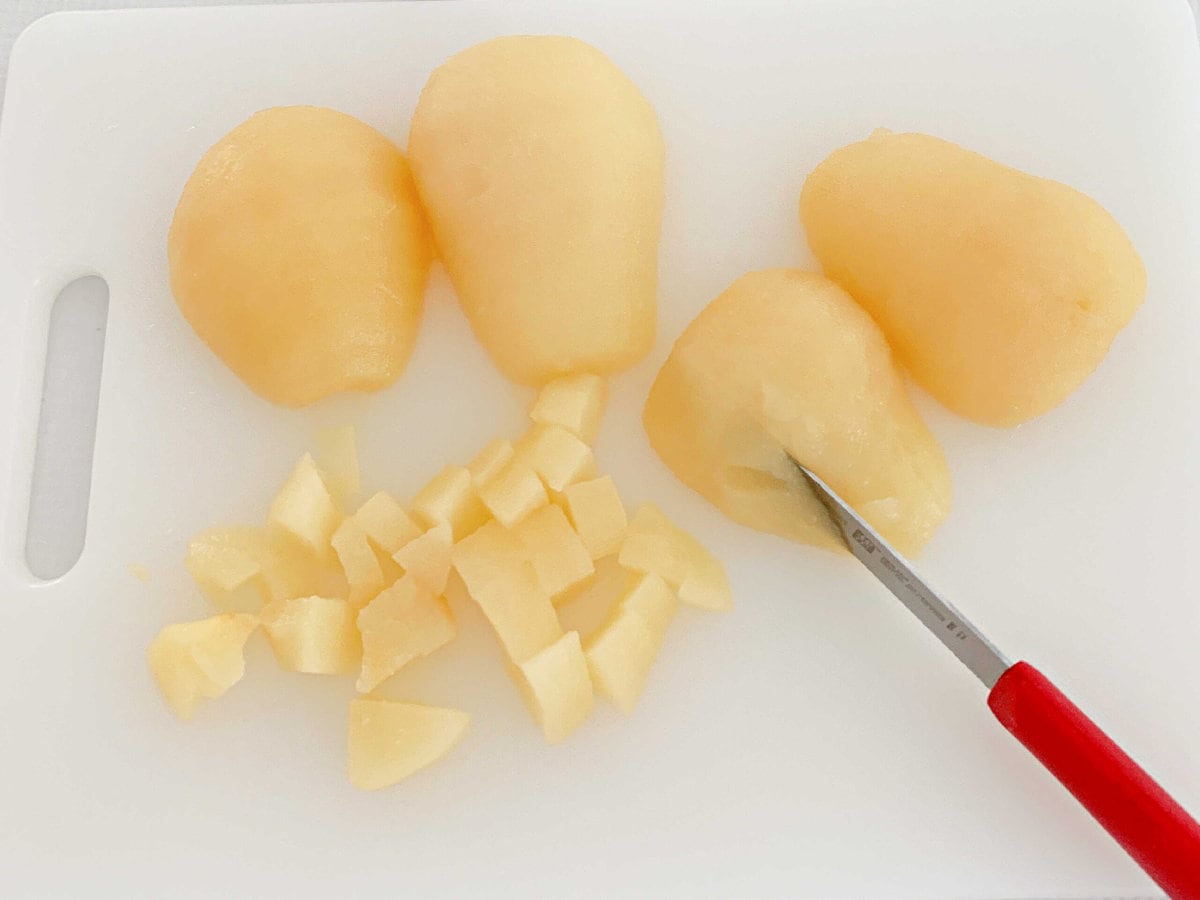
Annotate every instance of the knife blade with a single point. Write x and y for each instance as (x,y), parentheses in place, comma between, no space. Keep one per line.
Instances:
(1131,806)
(940,616)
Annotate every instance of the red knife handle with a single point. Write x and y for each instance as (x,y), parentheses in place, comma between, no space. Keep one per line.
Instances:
(1155,830)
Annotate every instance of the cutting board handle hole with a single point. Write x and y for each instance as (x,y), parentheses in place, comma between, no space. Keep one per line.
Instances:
(66,434)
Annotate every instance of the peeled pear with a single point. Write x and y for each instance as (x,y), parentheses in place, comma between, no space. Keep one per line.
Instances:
(299,253)
(540,165)
(998,290)
(785,365)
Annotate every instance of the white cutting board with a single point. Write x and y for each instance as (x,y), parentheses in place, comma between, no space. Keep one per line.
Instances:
(816,742)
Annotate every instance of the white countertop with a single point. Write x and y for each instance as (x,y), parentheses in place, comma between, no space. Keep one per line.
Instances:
(15,15)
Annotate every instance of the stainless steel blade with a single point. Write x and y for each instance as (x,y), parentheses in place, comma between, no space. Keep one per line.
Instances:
(939,616)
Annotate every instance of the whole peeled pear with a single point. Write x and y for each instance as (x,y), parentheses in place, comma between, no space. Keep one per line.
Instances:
(540,165)
(784,366)
(998,290)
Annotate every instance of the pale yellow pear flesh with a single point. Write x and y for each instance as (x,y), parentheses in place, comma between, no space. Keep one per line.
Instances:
(299,253)
(240,567)
(406,621)
(999,291)
(450,497)
(426,559)
(313,635)
(557,553)
(621,654)
(576,402)
(524,527)
(388,741)
(491,459)
(540,165)
(556,455)
(197,661)
(493,566)
(558,688)
(597,514)
(337,456)
(305,509)
(222,563)
(358,560)
(785,365)
(653,544)
(386,523)
(513,493)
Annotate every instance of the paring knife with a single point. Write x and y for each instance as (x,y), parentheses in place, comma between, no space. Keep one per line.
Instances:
(1155,830)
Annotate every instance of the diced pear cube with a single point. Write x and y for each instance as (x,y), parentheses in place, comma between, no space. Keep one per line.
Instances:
(520,612)
(587,607)
(503,583)
(576,402)
(291,570)
(597,514)
(426,558)
(404,622)
(650,599)
(555,550)
(220,560)
(314,635)
(491,459)
(222,565)
(386,523)
(450,497)
(654,553)
(388,741)
(558,456)
(558,688)
(513,493)
(364,575)
(489,553)
(305,509)
(707,586)
(653,543)
(622,653)
(619,660)
(197,661)
(337,453)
